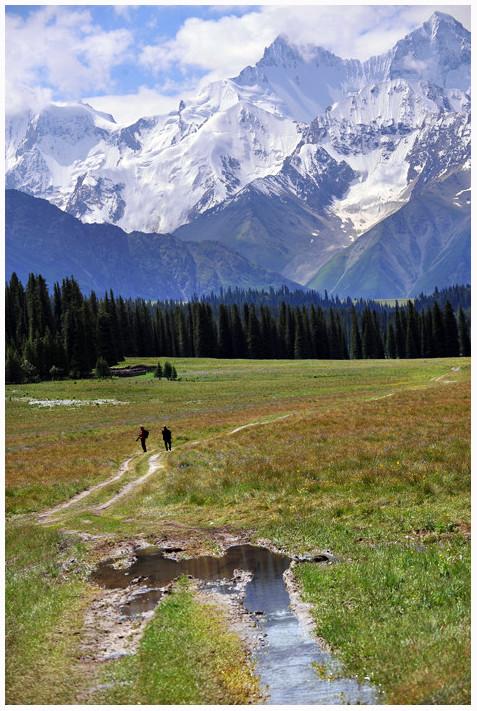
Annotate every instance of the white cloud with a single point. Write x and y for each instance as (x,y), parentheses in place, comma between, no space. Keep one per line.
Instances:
(59,49)
(223,46)
(126,109)
(124,11)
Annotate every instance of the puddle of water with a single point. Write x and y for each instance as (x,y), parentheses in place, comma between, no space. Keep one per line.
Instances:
(285,662)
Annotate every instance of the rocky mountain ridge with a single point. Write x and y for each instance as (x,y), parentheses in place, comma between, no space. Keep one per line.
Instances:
(288,164)
(43,239)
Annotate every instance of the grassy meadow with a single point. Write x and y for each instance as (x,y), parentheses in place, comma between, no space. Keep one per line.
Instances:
(370,459)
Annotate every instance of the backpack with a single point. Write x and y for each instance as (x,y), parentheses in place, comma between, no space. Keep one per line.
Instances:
(146,434)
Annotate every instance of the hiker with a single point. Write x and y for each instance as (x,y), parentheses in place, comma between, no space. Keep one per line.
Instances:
(167,437)
(143,435)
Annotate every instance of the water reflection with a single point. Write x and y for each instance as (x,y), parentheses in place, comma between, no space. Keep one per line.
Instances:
(285,664)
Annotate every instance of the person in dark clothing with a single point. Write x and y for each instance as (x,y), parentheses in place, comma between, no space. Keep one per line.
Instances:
(143,435)
(167,437)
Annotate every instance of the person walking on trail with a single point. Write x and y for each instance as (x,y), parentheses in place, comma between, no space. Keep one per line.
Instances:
(143,435)
(167,437)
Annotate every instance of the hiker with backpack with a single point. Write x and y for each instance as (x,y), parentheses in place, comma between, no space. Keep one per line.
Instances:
(143,435)
(167,437)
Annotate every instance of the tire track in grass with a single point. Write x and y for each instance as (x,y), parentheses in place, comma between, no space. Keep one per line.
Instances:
(46,515)
(155,463)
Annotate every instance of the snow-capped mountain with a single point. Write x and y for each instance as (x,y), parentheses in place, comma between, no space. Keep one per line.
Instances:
(287,163)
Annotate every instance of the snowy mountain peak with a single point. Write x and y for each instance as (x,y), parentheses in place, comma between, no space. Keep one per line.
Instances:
(280,53)
(438,52)
(349,140)
(442,22)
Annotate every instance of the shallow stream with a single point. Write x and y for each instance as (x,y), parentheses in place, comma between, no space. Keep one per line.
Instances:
(288,662)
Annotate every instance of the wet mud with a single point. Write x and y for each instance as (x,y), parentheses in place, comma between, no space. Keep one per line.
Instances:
(293,667)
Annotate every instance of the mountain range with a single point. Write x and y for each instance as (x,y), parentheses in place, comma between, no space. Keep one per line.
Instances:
(333,173)
(42,238)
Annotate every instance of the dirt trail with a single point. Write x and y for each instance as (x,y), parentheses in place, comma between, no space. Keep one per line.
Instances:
(256,424)
(436,379)
(442,379)
(380,397)
(155,464)
(46,515)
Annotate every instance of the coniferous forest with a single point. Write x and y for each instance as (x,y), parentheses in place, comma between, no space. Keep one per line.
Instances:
(64,333)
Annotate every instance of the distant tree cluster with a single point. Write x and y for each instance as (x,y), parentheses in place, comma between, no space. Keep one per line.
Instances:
(168,371)
(69,334)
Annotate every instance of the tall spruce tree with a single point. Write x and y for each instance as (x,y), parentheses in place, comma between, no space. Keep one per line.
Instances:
(299,351)
(104,338)
(225,345)
(451,333)
(390,341)
(412,332)
(464,339)
(238,334)
(399,332)
(356,346)
(254,336)
(438,332)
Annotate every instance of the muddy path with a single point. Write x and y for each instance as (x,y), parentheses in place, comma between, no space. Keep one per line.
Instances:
(279,638)
(256,587)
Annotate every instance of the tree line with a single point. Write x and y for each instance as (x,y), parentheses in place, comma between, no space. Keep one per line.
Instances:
(457,295)
(65,332)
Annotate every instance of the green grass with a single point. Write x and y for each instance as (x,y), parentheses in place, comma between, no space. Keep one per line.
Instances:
(372,462)
(185,657)
(44,608)
(400,615)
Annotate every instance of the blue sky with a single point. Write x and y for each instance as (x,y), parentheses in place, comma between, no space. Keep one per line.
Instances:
(133,60)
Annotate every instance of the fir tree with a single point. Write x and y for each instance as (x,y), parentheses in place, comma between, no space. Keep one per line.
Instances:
(399,332)
(451,333)
(253,335)
(412,332)
(464,340)
(104,338)
(356,346)
(102,368)
(390,342)
(13,367)
(225,345)
(299,346)
(438,332)
(238,335)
